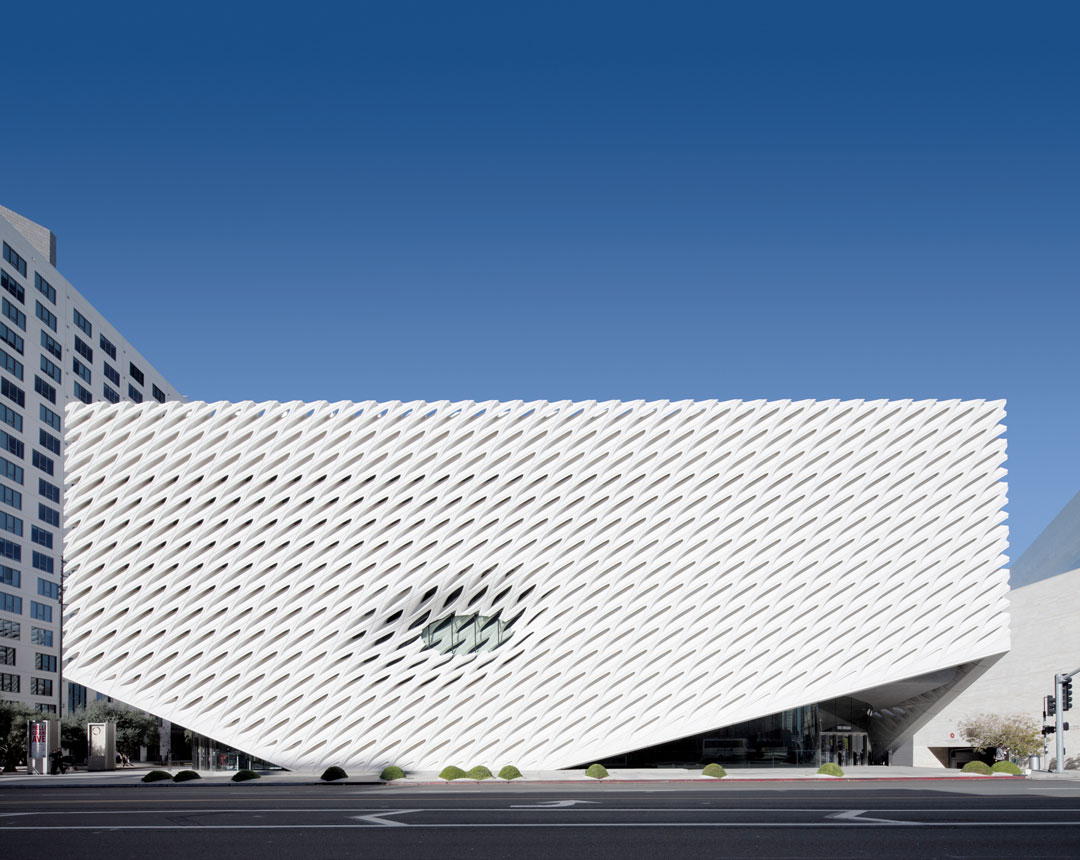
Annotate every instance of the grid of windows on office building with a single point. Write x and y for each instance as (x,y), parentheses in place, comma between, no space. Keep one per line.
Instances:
(36,598)
(52,351)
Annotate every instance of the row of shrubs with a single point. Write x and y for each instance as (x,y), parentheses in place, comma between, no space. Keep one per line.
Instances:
(188,775)
(983,769)
(479,772)
(595,771)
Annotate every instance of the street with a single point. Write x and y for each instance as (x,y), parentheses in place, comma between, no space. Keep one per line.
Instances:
(1031,819)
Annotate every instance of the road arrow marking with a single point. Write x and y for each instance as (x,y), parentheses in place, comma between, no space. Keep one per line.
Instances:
(549,804)
(379,818)
(857,815)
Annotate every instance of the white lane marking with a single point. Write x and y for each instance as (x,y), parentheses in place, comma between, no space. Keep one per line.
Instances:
(487,792)
(744,824)
(551,804)
(240,810)
(857,815)
(380,820)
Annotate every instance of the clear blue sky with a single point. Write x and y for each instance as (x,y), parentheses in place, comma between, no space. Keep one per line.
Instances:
(573,200)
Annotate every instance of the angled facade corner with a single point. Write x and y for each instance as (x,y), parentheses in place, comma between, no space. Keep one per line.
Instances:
(40,238)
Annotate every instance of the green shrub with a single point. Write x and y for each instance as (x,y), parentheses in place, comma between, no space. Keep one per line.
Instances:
(392,772)
(830,769)
(186,776)
(714,770)
(332,773)
(979,767)
(1006,767)
(157,776)
(479,772)
(244,775)
(509,772)
(597,771)
(451,772)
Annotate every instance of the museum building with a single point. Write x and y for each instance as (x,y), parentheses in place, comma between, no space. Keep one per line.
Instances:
(539,583)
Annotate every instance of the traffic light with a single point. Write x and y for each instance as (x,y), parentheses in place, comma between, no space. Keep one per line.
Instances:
(1066,694)
(1051,706)
(1048,730)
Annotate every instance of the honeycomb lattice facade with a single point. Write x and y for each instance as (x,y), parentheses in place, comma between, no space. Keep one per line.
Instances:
(539,583)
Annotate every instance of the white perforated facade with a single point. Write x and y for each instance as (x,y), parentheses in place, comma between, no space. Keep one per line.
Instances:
(537,583)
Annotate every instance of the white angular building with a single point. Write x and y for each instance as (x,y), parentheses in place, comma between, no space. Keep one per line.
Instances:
(537,583)
(1045,620)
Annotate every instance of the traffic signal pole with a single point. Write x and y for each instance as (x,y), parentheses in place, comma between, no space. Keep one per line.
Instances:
(1059,741)
(1061,680)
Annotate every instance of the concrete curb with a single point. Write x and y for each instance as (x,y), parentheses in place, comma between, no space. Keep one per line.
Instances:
(721,781)
(568,783)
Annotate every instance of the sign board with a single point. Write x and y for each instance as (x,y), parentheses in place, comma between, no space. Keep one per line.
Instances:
(39,737)
(43,737)
(101,738)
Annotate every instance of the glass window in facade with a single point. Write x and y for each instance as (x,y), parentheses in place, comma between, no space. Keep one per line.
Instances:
(11,364)
(40,611)
(45,288)
(12,257)
(51,345)
(13,313)
(83,349)
(82,322)
(44,389)
(45,315)
(44,463)
(12,286)
(11,339)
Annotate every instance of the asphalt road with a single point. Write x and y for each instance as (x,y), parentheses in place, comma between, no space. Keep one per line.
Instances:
(913,820)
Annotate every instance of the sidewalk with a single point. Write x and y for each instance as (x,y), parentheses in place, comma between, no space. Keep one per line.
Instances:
(644,776)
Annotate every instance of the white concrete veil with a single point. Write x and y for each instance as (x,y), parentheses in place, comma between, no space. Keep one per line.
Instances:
(537,583)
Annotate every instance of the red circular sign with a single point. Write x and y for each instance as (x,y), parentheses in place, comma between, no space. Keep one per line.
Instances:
(952,734)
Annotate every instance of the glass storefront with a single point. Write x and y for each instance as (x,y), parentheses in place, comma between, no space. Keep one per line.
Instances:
(208,754)
(836,730)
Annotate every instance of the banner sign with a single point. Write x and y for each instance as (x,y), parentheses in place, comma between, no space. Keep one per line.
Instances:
(38,739)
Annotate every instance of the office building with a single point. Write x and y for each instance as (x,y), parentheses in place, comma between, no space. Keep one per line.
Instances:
(543,584)
(55,348)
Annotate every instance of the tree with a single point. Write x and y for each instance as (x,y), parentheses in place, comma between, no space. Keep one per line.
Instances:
(133,728)
(1016,734)
(13,717)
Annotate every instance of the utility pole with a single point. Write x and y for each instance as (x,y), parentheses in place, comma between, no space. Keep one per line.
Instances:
(1063,695)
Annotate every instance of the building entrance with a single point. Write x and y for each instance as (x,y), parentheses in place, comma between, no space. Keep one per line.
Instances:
(844,748)
(836,730)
